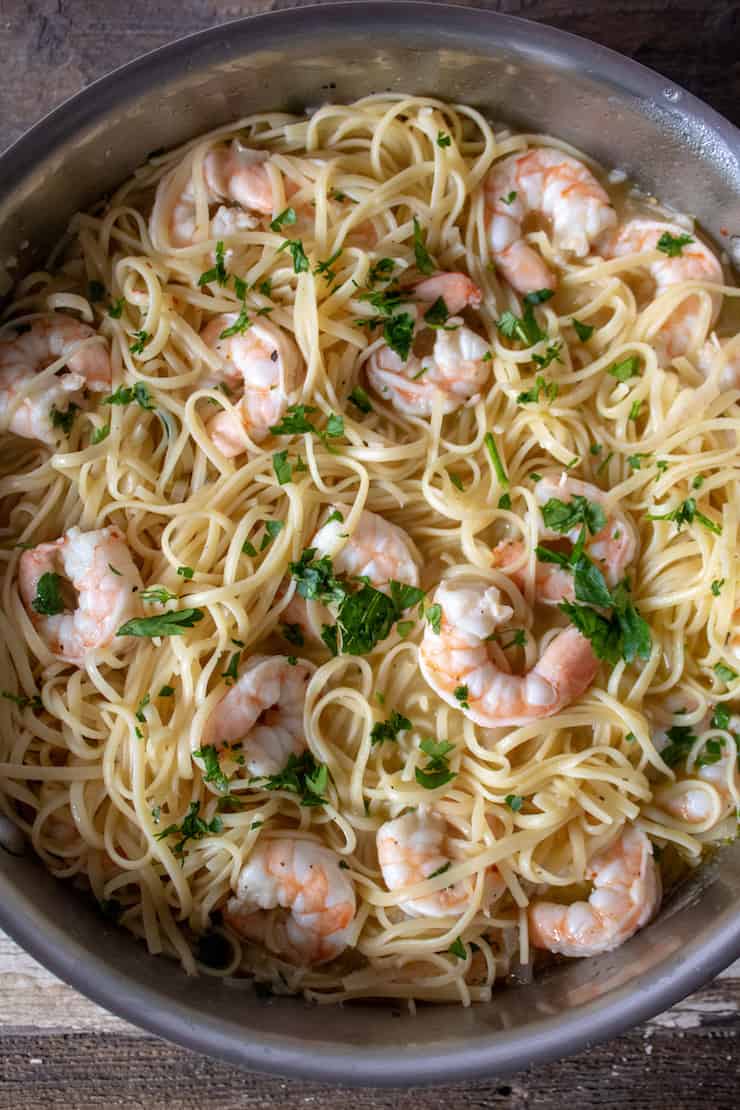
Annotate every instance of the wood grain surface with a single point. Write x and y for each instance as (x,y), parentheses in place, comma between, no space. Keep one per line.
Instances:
(59,1050)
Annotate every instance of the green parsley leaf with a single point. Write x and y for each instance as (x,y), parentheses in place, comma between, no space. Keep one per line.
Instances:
(48,599)
(381,270)
(240,325)
(404,596)
(22,701)
(186,572)
(457,948)
(673,245)
(437,772)
(166,692)
(456,481)
(389,730)
(212,767)
(324,268)
(99,434)
(443,139)
(330,637)
(157,593)
(532,396)
(66,419)
(141,339)
(602,632)
(682,739)
(139,714)
(563,516)
(514,802)
(315,578)
(193,827)
(504,501)
(398,332)
(635,461)
(265,288)
(281,466)
(583,331)
(725,673)
(301,264)
(697,482)
(424,263)
(218,272)
(498,466)
(434,616)
(686,513)
(524,328)
(552,353)
(635,411)
(240,287)
(716,586)
(461,696)
(232,671)
(625,369)
(509,198)
(364,619)
(437,316)
(286,218)
(360,399)
(115,309)
(126,394)
(721,716)
(539,296)
(165,624)
(303,776)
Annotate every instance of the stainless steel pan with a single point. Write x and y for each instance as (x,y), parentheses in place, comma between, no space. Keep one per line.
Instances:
(533,77)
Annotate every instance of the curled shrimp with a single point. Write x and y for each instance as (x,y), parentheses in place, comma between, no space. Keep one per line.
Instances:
(417,846)
(550,184)
(612,548)
(262,714)
(26,353)
(265,365)
(726,355)
(710,791)
(376,549)
(458,656)
(306,879)
(696,262)
(626,895)
(103,575)
(232,173)
(455,367)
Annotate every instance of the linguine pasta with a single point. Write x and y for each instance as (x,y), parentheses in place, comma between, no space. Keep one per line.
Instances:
(97,762)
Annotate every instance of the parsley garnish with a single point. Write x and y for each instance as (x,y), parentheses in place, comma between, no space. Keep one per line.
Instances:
(437,316)
(295,422)
(564,516)
(532,396)
(22,701)
(424,262)
(725,673)
(286,217)
(443,139)
(64,420)
(524,328)
(281,466)
(504,501)
(514,802)
(552,353)
(624,635)
(360,399)
(716,586)
(126,394)
(239,326)
(100,434)
(389,730)
(185,572)
(456,481)
(303,776)
(437,771)
(315,578)
(673,245)
(398,332)
(301,264)
(232,670)
(497,464)
(166,692)
(687,513)
(141,338)
(625,369)
(165,624)
(635,411)
(157,593)
(212,767)
(324,267)
(434,616)
(115,309)
(681,741)
(457,948)
(48,599)
(583,331)
(461,696)
(192,827)
(378,272)
(218,272)
(509,198)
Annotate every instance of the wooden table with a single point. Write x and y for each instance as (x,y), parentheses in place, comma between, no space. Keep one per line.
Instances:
(59,1050)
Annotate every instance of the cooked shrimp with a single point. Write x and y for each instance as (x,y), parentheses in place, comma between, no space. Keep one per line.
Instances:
(233,173)
(262,713)
(555,186)
(265,363)
(626,895)
(612,548)
(101,571)
(306,879)
(696,262)
(28,352)
(415,847)
(458,656)
(710,792)
(455,368)
(377,549)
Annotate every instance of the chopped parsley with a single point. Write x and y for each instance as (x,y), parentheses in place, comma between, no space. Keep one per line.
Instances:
(324,268)
(157,593)
(166,692)
(563,516)
(443,139)
(623,635)
(303,776)
(115,309)
(360,399)
(239,326)
(716,586)
(509,198)
(434,617)
(457,948)
(725,673)
(165,624)
(583,331)
(673,245)
(295,422)
(286,218)
(48,599)
(524,328)
(212,767)
(22,701)
(185,572)
(437,771)
(381,270)
(281,466)
(389,730)
(551,354)
(424,262)
(141,338)
(461,695)
(64,420)
(218,272)
(681,740)
(232,670)
(192,827)
(697,482)
(504,501)
(514,802)
(625,369)
(687,513)
(532,396)
(437,316)
(635,410)
(293,633)
(301,264)
(635,461)
(498,466)
(100,434)
(398,332)
(126,394)
(315,578)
